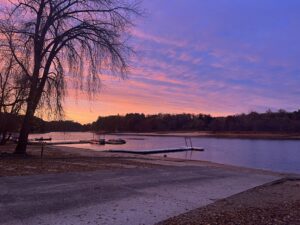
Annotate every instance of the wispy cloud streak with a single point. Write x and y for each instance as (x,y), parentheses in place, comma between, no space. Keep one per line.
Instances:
(198,56)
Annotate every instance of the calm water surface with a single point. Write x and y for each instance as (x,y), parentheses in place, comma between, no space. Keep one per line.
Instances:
(276,155)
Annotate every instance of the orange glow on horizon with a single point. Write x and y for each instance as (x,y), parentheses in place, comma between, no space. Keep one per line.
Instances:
(84,110)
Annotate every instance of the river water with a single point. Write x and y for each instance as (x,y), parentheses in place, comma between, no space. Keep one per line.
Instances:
(275,155)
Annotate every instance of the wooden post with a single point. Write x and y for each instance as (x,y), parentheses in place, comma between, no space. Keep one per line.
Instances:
(42,150)
(191,143)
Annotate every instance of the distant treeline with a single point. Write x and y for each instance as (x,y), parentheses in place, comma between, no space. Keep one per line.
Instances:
(269,121)
(41,126)
(281,121)
(11,123)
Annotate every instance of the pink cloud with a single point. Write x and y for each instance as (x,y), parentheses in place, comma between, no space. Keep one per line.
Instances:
(158,39)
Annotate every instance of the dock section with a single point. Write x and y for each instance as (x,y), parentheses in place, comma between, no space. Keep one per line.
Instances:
(158,151)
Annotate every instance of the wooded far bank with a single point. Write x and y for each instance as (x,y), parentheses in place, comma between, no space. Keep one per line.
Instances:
(280,121)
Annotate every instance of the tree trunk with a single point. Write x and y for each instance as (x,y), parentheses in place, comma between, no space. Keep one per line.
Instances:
(32,103)
(24,132)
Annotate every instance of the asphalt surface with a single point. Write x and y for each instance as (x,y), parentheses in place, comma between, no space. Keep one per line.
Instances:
(127,196)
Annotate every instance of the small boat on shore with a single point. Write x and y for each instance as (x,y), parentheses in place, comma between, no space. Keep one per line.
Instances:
(43,139)
(115,141)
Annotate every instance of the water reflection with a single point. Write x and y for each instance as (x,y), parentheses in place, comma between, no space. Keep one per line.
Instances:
(276,155)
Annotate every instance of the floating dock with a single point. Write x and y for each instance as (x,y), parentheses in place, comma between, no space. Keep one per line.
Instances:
(138,152)
(159,151)
(59,142)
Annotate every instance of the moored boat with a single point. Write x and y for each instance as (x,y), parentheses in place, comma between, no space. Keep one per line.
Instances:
(118,141)
(98,142)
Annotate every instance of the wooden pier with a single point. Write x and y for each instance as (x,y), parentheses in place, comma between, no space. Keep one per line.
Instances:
(138,152)
(159,151)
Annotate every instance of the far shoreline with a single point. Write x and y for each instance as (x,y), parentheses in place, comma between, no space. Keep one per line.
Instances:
(207,134)
(196,134)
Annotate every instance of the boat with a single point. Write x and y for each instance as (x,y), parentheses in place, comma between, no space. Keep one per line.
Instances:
(98,142)
(115,141)
(43,139)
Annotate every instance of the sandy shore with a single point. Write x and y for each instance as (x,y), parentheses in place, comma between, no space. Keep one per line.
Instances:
(59,159)
(65,159)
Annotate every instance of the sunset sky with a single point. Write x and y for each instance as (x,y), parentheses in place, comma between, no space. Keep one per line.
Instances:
(211,56)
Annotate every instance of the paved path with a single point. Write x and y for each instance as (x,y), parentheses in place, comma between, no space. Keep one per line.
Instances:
(130,196)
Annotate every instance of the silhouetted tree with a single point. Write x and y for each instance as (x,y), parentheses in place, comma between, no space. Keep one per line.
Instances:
(13,93)
(47,36)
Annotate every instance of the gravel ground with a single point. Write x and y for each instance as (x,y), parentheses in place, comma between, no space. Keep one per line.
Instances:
(277,203)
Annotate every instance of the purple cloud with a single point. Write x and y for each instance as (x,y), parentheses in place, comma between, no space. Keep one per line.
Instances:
(217,57)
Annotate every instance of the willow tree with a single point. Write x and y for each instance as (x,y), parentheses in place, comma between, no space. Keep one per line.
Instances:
(57,40)
(13,94)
